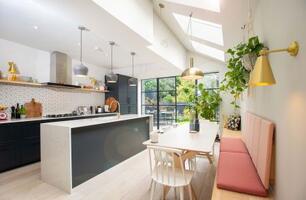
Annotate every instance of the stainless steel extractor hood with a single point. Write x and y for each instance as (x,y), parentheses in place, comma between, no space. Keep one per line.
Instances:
(61,71)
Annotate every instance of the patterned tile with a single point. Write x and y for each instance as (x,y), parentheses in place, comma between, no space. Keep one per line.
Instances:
(53,100)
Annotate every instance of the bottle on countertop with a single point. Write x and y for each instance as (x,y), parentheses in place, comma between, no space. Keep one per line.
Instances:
(13,112)
(17,111)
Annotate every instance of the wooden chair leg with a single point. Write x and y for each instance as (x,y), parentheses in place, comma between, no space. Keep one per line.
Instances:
(193,193)
(181,193)
(175,193)
(190,192)
(152,190)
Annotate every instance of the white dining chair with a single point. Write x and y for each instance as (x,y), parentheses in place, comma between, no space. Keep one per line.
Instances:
(169,169)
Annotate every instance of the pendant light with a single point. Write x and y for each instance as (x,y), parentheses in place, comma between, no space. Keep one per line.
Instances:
(191,73)
(133,81)
(81,70)
(111,77)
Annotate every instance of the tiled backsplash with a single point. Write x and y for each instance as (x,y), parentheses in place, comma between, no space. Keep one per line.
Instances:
(52,100)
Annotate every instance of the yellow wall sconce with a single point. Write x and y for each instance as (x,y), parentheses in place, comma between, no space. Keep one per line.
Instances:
(262,74)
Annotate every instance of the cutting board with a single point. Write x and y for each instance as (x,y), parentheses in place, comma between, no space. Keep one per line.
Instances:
(112,103)
(33,109)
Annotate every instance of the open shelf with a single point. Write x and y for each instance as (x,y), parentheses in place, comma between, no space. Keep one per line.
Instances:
(29,84)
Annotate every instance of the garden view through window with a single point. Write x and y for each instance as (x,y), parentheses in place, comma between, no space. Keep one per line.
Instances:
(165,100)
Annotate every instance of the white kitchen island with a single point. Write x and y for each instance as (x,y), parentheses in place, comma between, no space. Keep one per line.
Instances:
(72,152)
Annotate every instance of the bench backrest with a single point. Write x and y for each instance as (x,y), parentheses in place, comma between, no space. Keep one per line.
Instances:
(257,134)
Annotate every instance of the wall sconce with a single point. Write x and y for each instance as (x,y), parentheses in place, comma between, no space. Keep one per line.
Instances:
(262,74)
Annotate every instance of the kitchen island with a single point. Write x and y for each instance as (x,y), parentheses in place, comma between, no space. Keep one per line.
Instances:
(73,152)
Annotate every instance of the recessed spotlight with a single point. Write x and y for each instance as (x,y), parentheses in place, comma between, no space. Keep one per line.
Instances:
(35,27)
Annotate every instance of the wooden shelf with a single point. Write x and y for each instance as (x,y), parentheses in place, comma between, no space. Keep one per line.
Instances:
(28,84)
(20,83)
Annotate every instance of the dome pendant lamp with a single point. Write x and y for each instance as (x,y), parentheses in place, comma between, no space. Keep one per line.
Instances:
(133,81)
(81,70)
(191,73)
(111,77)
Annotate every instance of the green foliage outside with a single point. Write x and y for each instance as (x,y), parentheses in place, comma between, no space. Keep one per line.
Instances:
(237,77)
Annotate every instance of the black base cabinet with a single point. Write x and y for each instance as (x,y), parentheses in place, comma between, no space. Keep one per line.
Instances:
(20,142)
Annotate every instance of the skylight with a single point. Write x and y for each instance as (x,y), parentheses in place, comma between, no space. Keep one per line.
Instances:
(212,5)
(201,29)
(208,51)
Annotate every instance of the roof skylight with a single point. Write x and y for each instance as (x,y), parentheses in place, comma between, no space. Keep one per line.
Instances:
(212,5)
(202,29)
(208,51)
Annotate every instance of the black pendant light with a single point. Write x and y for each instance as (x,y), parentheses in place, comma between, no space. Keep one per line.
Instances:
(81,70)
(111,77)
(133,81)
(191,73)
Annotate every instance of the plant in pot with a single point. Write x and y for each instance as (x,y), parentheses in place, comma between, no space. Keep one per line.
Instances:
(241,61)
(203,103)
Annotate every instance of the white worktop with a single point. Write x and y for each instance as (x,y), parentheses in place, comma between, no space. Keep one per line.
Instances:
(48,118)
(94,121)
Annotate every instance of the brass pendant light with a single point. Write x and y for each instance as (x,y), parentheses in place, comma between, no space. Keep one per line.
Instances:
(111,77)
(132,81)
(191,73)
(262,75)
(81,70)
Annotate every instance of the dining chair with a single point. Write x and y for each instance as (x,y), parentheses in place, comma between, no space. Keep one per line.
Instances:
(168,168)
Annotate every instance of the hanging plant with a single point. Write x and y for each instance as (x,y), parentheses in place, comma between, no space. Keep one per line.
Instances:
(240,58)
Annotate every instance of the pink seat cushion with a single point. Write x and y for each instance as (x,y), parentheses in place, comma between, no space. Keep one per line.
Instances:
(236,172)
(228,144)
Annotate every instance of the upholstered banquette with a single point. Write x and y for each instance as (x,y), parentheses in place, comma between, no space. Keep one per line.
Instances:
(244,163)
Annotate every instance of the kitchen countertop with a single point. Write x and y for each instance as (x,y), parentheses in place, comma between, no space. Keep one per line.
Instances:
(48,118)
(94,121)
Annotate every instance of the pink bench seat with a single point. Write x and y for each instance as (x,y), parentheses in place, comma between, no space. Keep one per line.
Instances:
(236,172)
(244,164)
(228,144)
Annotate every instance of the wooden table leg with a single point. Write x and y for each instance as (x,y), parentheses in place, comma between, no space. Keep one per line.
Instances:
(166,189)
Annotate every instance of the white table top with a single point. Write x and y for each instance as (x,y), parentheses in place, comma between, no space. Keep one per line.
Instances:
(180,138)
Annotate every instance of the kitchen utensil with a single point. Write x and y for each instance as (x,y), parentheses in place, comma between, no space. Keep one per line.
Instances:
(106,108)
(33,109)
(111,102)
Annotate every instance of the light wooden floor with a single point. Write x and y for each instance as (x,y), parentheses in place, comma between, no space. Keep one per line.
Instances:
(129,180)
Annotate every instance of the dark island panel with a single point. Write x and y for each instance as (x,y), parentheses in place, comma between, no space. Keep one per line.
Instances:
(97,148)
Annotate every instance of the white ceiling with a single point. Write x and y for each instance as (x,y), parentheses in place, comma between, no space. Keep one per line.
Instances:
(230,15)
(51,25)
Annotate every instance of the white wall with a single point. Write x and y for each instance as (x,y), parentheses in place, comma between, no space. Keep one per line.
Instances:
(136,14)
(279,22)
(30,62)
(36,64)
(166,45)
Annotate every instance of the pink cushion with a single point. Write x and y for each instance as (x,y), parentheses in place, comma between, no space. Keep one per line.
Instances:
(236,172)
(228,144)
(264,154)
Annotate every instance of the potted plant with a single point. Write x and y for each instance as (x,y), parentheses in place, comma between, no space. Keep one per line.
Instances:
(205,104)
(237,77)
(241,60)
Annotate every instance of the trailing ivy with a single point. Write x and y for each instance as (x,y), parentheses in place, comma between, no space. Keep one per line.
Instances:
(237,77)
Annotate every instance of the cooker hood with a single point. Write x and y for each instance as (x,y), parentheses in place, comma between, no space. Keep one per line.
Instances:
(60,71)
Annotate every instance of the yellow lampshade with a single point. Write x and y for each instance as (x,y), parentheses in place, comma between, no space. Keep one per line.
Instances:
(262,74)
(192,73)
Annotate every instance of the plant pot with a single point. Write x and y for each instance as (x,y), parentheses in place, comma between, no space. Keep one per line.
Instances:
(248,61)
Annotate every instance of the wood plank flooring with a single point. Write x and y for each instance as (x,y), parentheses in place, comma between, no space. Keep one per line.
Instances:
(129,180)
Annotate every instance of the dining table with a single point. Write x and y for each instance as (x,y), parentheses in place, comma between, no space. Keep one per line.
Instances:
(200,143)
